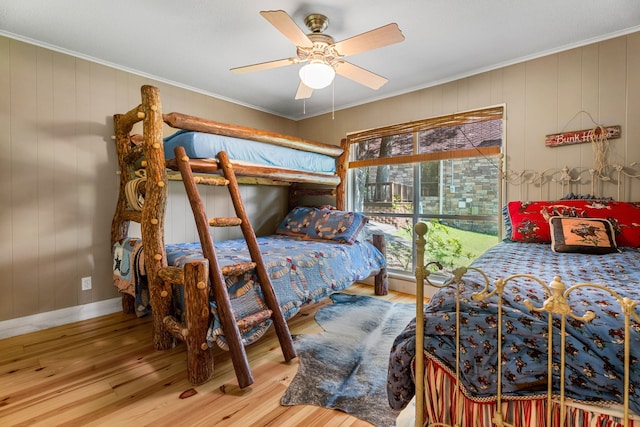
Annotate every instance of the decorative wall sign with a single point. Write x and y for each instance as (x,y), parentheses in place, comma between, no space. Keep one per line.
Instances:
(580,136)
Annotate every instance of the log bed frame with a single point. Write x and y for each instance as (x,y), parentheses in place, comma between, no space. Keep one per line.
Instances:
(146,151)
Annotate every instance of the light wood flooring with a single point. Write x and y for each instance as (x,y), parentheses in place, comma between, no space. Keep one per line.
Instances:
(104,372)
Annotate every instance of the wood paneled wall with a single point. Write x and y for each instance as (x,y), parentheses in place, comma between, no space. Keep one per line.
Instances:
(58,182)
(541,97)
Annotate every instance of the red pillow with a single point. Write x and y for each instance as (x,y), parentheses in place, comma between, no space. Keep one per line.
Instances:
(530,220)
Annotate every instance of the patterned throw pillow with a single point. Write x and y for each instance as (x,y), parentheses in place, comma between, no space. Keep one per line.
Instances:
(337,225)
(508,229)
(530,220)
(297,221)
(582,235)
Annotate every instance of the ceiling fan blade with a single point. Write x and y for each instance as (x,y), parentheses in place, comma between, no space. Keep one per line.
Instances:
(374,39)
(304,91)
(360,75)
(265,65)
(283,23)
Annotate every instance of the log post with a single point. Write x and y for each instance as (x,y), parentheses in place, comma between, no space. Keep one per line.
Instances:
(153,213)
(197,314)
(122,125)
(294,197)
(177,328)
(381,283)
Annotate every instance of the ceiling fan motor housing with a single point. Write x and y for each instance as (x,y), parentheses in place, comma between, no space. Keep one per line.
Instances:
(316,22)
(322,50)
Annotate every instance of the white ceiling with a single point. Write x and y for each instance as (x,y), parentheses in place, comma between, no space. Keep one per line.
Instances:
(194,43)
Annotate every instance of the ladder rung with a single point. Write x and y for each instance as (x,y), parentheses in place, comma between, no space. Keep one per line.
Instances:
(213,180)
(224,222)
(128,215)
(175,327)
(238,269)
(253,320)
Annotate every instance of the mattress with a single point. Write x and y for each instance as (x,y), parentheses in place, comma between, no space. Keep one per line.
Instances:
(199,145)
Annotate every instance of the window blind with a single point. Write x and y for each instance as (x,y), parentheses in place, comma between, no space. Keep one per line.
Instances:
(456,119)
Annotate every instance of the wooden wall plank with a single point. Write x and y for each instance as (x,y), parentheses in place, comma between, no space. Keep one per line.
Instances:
(570,98)
(99,146)
(480,91)
(85,181)
(23,181)
(514,98)
(6,169)
(65,192)
(631,124)
(44,169)
(612,92)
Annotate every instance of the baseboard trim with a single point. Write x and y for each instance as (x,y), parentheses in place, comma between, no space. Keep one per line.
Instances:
(37,322)
(405,284)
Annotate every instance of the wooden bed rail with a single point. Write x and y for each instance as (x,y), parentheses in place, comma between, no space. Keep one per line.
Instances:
(187,122)
(264,174)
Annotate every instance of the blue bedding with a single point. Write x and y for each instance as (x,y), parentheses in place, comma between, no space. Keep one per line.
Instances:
(199,145)
(301,272)
(594,349)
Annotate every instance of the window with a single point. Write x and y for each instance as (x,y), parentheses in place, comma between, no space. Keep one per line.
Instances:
(442,170)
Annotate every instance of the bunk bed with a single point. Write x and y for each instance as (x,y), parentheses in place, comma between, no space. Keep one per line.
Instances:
(229,293)
(561,292)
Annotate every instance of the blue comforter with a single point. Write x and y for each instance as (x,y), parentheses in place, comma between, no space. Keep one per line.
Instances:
(301,272)
(594,349)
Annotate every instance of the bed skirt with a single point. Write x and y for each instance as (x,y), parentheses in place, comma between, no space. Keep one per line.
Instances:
(441,406)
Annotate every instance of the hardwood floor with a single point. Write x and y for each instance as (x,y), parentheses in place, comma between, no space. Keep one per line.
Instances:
(104,371)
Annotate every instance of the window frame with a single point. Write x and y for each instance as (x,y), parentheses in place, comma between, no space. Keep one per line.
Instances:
(414,127)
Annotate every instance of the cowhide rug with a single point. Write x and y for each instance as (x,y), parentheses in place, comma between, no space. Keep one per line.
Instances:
(345,367)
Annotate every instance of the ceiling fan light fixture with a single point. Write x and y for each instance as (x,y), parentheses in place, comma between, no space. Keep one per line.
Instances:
(317,74)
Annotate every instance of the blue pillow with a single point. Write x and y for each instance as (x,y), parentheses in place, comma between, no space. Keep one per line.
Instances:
(297,222)
(336,225)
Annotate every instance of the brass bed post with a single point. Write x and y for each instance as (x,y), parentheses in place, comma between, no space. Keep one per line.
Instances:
(421,231)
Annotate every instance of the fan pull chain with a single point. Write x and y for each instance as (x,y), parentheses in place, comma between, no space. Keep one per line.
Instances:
(333,100)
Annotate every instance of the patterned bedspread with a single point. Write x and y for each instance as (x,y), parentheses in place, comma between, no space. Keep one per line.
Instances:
(594,349)
(301,271)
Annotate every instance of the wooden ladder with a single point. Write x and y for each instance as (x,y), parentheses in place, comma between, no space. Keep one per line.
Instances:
(230,325)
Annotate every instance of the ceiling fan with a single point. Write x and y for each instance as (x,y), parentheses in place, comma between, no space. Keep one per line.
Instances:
(323,55)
